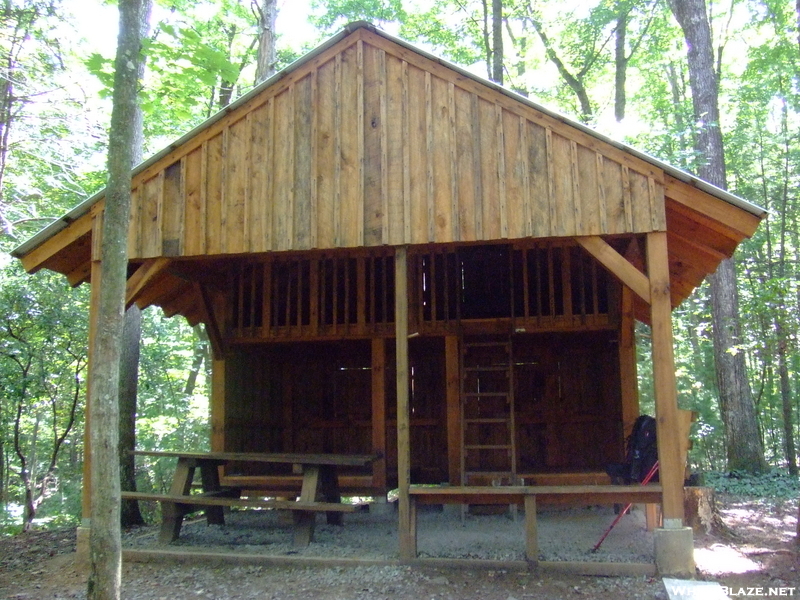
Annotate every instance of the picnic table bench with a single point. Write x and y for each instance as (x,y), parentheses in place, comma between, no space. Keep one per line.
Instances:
(527,495)
(319,491)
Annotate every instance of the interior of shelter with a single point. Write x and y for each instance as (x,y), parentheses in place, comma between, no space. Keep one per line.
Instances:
(531,332)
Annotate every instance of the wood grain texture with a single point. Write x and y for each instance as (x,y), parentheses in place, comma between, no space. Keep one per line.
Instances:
(372,144)
(671,471)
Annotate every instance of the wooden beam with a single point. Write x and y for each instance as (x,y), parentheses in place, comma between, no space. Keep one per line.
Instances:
(671,472)
(213,329)
(144,275)
(617,264)
(627,361)
(692,225)
(167,290)
(724,213)
(405,524)
(218,405)
(35,259)
(531,530)
(453,399)
(94,304)
(695,251)
(379,411)
(183,304)
(80,274)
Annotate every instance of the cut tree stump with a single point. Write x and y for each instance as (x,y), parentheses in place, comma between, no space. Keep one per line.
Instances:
(701,512)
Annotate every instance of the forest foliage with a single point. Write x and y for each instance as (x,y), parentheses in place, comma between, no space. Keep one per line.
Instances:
(617,65)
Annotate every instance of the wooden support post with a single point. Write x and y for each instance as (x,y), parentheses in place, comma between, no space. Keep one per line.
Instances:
(627,362)
(379,411)
(172,519)
(652,516)
(94,306)
(671,470)
(329,492)
(214,327)
(218,405)
(94,299)
(531,530)
(453,398)
(305,520)
(209,475)
(407,542)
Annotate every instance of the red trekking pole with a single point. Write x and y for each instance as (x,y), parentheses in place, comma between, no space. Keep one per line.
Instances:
(645,481)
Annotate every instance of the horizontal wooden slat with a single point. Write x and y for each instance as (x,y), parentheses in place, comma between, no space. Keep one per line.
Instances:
(350,460)
(545,494)
(198,501)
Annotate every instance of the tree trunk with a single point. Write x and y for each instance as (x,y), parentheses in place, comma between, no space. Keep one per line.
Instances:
(200,356)
(786,402)
(620,65)
(29,476)
(797,10)
(20,21)
(130,515)
(266,59)
(742,438)
(2,472)
(104,542)
(780,332)
(743,442)
(497,41)
(574,82)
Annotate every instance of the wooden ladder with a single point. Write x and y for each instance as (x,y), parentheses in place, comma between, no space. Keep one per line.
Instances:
(488,450)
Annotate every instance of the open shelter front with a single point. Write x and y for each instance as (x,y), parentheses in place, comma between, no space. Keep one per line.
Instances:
(515,366)
(394,256)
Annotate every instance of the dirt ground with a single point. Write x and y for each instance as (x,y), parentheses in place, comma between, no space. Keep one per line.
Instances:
(760,552)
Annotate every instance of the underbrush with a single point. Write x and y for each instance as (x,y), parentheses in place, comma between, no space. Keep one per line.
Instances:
(776,484)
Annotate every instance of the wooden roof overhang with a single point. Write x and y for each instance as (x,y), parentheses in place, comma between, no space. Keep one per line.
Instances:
(370,142)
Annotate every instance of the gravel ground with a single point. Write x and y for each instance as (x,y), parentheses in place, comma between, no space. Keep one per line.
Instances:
(760,550)
(564,535)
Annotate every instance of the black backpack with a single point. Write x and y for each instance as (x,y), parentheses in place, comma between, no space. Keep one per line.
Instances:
(641,453)
(642,448)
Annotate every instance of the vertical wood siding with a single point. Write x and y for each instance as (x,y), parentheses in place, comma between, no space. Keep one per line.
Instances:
(371,144)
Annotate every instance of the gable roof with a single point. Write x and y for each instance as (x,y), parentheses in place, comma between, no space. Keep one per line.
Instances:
(370,141)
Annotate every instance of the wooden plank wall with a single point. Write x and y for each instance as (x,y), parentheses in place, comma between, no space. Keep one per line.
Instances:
(372,144)
(301,398)
(568,402)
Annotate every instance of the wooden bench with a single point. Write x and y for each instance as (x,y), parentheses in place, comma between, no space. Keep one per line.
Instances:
(319,492)
(529,496)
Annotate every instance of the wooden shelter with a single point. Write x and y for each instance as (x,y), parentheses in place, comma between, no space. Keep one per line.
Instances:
(393,255)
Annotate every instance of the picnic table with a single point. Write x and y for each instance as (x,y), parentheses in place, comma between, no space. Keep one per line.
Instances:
(319,491)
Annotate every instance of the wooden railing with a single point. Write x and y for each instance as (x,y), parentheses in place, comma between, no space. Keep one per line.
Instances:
(314,296)
(540,286)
